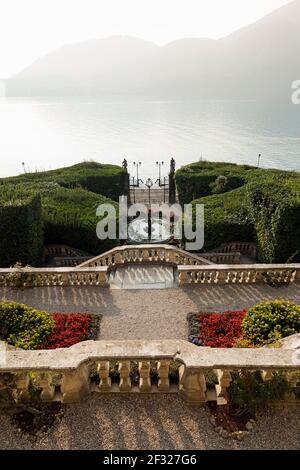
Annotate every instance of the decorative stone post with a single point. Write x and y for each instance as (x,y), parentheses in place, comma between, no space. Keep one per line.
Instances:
(44,381)
(125,382)
(192,385)
(105,380)
(293,380)
(224,381)
(102,279)
(222,276)
(65,279)
(163,368)
(184,278)
(172,184)
(22,385)
(145,381)
(75,385)
(126,180)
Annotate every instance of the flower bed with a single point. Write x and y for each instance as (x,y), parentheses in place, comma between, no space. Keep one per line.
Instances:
(72,328)
(216,330)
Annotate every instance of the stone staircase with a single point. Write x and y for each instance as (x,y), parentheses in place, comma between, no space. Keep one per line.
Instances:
(143,277)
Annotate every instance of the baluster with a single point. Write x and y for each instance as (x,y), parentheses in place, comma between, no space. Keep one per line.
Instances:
(163,368)
(105,380)
(224,381)
(145,381)
(125,381)
(266,375)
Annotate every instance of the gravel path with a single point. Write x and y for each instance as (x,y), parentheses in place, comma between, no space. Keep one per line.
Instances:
(148,314)
(161,422)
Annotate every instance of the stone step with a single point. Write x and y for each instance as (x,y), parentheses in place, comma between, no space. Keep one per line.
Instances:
(143,277)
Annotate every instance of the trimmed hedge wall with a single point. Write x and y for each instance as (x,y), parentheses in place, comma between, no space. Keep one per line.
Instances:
(62,201)
(264,209)
(226,219)
(195,180)
(70,218)
(275,211)
(21,227)
(107,180)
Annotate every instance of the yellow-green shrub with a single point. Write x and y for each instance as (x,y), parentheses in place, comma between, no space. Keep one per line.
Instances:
(24,327)
(269,321)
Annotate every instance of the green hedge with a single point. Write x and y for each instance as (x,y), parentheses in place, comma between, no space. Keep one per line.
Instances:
(226,219)
(195,180)
(107,180)
(64,202)
(264,207)
(274,207)
(70,218)
(21,227)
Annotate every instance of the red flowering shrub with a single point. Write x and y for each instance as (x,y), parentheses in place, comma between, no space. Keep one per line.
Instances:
(221,330)
(69,329)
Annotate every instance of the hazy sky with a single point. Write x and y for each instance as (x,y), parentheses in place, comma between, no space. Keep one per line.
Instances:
(30,28)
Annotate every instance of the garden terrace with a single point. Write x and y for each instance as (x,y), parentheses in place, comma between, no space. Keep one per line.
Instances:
(138,314)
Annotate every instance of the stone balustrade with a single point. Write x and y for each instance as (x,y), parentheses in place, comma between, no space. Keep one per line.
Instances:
(64,251)
(212,274)
(68,375)
(53,277)
(239,274)
(144,254)
(245,248)
(222,258)
(69,262)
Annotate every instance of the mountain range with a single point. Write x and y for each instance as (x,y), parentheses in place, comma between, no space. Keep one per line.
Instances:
(256,62)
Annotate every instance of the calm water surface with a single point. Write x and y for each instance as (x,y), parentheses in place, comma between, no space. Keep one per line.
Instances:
(47,134)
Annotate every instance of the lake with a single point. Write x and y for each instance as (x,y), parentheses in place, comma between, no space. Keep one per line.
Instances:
(47,134)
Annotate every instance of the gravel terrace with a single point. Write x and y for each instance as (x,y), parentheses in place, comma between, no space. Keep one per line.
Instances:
(148,314)
(161,422)
(149,422)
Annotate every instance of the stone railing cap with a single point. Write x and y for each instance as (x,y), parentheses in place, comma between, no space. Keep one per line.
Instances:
(183,351)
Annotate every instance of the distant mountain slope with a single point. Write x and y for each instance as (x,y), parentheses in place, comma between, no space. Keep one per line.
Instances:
(260,60)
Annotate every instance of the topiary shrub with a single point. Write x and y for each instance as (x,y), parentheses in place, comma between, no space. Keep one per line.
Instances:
(270,321)
(24,327)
